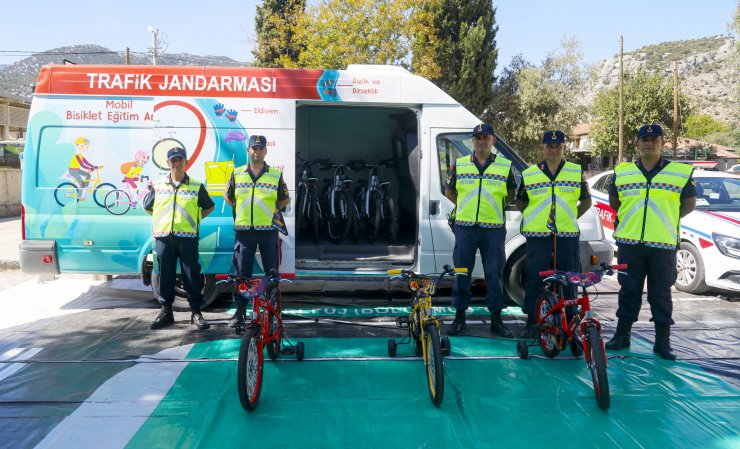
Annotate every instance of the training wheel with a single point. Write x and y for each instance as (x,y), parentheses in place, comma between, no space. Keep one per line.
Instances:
(522,349)
(299,348)
(392,348)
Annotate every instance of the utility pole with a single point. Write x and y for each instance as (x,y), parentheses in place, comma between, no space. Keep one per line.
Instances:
(127,56)
(675,110)
(621,100)
(154,48)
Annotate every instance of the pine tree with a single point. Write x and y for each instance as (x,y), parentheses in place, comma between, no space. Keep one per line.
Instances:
(275,24)
(466,52)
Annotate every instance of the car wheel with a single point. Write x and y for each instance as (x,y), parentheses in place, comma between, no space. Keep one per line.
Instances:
(514,276)
(690,267)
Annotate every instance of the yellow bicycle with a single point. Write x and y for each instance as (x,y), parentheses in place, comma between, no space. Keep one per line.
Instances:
(423,327)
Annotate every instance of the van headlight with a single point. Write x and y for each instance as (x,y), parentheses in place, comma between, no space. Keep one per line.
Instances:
(729,246)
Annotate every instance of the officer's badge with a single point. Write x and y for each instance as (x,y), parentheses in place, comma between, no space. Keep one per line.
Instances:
(649,129)
(554,136)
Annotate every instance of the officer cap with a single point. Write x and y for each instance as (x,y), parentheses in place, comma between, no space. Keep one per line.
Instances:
(553,136)
(257,141)
(482,129)
(177,152)
(650,130)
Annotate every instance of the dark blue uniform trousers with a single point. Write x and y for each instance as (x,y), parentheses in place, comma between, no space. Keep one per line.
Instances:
(659,266)
(169,250)
(540,257)
(245,249)
(468,239)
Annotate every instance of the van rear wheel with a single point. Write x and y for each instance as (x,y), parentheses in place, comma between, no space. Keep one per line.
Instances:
(210,291)
(514,276)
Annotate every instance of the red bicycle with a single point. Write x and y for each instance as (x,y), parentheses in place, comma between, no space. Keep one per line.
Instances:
(555,330)
(263,328)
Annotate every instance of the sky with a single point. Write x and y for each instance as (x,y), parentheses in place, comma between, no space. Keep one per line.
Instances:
(533,28)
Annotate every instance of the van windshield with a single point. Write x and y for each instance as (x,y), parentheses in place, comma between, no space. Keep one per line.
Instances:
(718,193)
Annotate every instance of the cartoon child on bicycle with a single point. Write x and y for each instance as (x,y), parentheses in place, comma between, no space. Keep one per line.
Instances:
(132,170)
(79,167)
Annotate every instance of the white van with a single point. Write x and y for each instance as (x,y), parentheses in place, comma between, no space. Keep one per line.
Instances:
(115,117)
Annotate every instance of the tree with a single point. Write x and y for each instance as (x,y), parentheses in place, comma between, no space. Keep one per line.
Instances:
(275,24)
(336,33)
(466,52)
(647,99)
(531,99)
(701,125)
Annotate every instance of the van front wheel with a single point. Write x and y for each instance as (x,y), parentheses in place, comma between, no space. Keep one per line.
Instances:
(210,291)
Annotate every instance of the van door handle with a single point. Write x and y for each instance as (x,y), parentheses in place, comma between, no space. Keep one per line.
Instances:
(434,207)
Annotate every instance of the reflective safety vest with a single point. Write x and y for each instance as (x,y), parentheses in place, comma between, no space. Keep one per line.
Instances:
(481,199)
(649,211)
(542,192)
(255,201)
(175,211)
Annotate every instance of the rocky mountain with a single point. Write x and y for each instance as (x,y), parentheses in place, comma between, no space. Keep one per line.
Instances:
(18,78)
(707,72)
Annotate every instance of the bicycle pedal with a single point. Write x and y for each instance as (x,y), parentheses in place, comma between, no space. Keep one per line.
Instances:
(239,330)
(402,321)
(288,350)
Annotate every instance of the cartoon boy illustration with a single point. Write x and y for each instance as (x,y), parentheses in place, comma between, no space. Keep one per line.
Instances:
(132,170)
(79,167)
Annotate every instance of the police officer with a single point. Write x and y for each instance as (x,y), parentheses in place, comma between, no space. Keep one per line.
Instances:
(256,191)
(177,203)
(650,197)
(480,185)
(552,196)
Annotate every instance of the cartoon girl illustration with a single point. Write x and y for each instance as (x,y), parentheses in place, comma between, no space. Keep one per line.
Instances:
(132,170)
(79,167)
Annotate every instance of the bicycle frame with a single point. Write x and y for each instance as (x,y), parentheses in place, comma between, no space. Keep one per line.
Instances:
(584,316)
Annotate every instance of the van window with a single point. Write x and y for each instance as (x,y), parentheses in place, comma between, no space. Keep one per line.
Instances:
(449,148)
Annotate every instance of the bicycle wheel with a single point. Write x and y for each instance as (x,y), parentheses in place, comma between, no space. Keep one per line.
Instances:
(314,215)
(65,193)
(434,366)
(250,369)
(597,366)
(101,191)
(273,345)
(340,216)
(373,219)
(390,218)
(550,333)
(301,208)
(117,202)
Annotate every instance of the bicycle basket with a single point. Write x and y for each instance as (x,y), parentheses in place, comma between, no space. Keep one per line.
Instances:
(422,285)
(251,288)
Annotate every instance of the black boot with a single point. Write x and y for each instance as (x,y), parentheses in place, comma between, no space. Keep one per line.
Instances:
(662,345)
(531,331)
(497,326)
(239,316)
(621,338)
(197,320)
(458,325)
(164,319)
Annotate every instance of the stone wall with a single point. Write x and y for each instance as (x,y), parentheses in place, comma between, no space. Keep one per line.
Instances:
(10,192)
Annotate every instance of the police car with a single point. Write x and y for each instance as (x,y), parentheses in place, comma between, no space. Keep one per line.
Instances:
(709,255)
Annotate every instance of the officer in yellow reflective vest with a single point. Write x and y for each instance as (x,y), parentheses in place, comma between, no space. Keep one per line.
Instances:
(177,203)
(480,185)
(552,197)
(256,191)
(650,197)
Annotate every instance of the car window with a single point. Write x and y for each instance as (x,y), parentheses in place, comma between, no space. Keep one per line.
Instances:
(721,194)
(602,185)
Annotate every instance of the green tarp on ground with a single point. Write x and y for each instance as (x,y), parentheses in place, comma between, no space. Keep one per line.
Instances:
(348,393)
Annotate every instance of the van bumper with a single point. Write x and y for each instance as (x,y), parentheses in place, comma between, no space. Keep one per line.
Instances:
(39,257)
(603,251)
